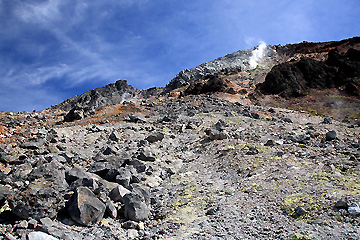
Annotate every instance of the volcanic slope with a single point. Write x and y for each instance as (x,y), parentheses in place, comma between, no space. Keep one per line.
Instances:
(184,162)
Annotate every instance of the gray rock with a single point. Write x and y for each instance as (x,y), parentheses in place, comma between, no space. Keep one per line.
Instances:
(114,136)
(85,182)
(142,191)
(354,209)
(109,150)
(252,151)
(299,138)
(137,117)
(287,120)
(154,137)
(135,207)
(33,145)
(111,209)
(40,236)
(138,165)
(46,189)
(327,120)
(75,174)
(4,192)
(216,134)
(270,143)
(129,225)
(118,193)
(85,208)
(146,154)
(111,94)
(100,168)
(124,177)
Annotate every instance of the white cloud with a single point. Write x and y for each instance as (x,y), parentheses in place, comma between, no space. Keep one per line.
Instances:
(43,12)
(36,76)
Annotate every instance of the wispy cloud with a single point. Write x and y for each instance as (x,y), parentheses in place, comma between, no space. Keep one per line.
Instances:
(39,12)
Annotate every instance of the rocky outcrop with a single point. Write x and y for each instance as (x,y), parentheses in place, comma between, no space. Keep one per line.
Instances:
(295,78)
(211,85)
(231,63)
(111,94)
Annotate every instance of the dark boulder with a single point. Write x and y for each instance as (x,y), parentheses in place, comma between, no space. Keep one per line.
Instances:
(74,114)
(85,208)
(331,135)
(154,137)
(135,207)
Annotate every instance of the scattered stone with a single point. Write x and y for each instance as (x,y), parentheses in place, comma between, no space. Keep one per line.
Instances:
(124,177)
(138,165)
(129,225)
(22,224)
(252,151)
(354,209)
(158,136)
(32,224)
(4,192)
(118,193)
(146,154)
(40,236)
(341,204)
(75,174)
(114,136)
(212,211)
(287,120)
(137,118)
(33,145)
(327,120)
(85,182)
(111,209)
(85,208)
(270,143)
(141,191)
(299,211)
(216,134)
(331,135)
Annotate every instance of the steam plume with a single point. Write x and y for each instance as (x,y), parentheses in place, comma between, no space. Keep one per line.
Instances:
(257,55)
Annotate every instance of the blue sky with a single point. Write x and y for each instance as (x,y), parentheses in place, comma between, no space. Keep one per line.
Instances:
(51,50)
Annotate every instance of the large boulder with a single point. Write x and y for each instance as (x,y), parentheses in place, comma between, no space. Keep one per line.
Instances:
(135,207)
(85,208)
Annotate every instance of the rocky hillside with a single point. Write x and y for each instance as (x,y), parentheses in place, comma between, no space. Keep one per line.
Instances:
(213,155)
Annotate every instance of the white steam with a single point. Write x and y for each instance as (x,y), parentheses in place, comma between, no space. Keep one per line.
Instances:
(257,55)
